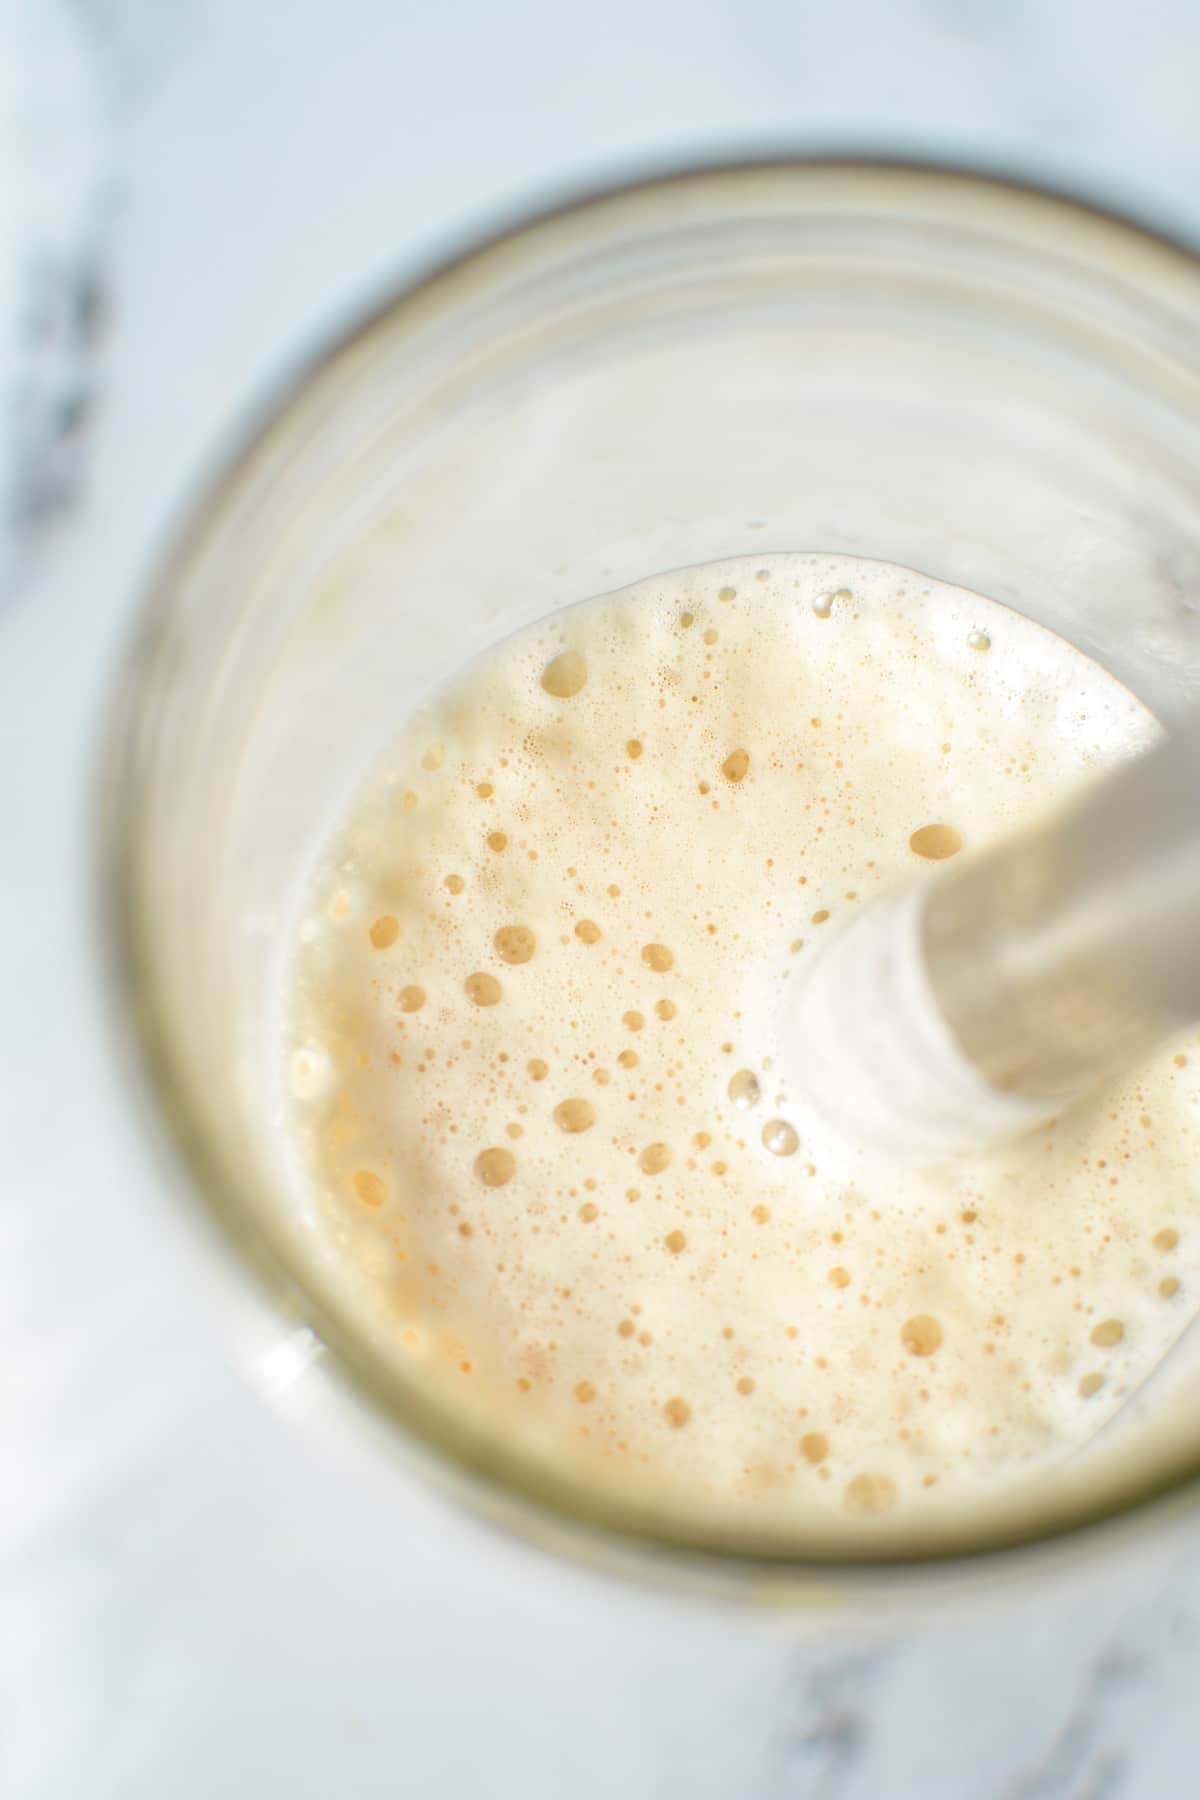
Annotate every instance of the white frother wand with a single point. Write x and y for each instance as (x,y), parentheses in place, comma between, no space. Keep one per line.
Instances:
(958,1013)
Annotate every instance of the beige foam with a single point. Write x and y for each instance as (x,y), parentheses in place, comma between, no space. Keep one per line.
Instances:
(530,1054)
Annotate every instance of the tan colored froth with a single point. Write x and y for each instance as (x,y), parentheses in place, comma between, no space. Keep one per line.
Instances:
(532,1089)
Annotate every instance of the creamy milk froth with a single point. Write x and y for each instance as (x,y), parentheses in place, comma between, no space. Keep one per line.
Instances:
(531,1075)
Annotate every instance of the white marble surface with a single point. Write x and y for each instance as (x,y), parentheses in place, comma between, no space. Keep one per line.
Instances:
(193,1599)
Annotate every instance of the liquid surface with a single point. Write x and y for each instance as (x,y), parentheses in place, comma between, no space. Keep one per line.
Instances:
(530,1059)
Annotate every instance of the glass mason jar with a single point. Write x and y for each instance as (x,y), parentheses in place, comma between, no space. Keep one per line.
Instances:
(984,383)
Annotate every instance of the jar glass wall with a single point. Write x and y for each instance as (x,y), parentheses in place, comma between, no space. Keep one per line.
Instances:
(986,384)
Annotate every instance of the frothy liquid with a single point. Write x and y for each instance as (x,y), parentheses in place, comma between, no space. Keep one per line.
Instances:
(530,1057)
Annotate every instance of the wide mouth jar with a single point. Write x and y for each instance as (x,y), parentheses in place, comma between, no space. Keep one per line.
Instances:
(992,385)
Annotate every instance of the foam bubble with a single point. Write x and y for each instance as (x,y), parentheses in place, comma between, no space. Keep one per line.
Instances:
(515,944)
(483,989)
(574,1116)
(496,1166)
(744,1089)
(935,842)
(565,676)
(780,1138)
